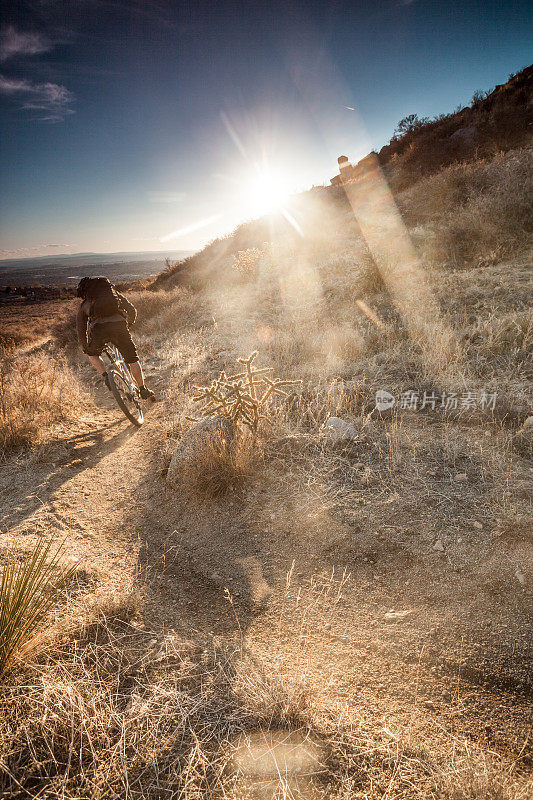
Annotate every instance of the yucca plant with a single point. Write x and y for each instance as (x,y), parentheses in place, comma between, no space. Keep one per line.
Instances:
(30,585)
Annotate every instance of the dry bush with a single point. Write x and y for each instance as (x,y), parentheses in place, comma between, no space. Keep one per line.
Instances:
(246,262)
(35,392)
(483,779)
(218,466)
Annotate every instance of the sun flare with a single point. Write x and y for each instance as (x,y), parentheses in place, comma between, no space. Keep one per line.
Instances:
(265,191)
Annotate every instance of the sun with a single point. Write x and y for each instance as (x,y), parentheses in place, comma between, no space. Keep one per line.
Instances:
(266,191)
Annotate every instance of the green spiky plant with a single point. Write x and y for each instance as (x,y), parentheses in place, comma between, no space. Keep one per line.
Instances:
(29,587)
(242,397)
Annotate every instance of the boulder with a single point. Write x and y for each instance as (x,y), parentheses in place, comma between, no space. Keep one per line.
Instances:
(212,429)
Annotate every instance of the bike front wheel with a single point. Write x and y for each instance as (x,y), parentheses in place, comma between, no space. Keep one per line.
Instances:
(125,397)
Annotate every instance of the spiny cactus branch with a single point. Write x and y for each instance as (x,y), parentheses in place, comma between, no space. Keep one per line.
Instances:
(236,397)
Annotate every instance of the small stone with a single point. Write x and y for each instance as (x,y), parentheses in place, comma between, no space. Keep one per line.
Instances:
(439,546)
(520,577)
(429,704)
(478,525)
(528,423)
(397,616)
(459,539)
(461,477)
(338,430)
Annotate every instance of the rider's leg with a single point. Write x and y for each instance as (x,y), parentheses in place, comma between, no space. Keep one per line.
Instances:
(97,363)
(136,371)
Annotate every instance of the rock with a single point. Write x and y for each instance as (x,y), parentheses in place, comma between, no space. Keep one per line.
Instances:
(461,477)
(214,429)
(465,135)
(397,616)
(429,704)
(338,430)
(439,546)
(528,423)
(478,525)
(520,577)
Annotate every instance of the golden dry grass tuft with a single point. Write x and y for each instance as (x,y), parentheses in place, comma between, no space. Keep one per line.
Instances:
(218,466)
(164,312)
(36,391)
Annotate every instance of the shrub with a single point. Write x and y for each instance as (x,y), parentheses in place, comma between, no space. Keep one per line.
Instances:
(237,398)
(218,467)
(35,392)
(29,587)
(246,262)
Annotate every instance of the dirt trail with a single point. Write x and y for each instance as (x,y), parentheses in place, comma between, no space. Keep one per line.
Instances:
(101,490)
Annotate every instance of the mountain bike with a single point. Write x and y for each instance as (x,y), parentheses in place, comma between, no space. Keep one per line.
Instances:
(124,388)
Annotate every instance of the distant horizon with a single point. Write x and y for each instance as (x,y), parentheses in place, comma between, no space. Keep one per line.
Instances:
(160,253)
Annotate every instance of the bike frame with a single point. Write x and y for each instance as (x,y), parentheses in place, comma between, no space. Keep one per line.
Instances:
(117,360)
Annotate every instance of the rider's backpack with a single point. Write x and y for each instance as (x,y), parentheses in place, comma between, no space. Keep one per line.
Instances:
(102,297)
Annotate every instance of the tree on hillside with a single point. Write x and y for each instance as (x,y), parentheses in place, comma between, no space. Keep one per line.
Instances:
(409,124)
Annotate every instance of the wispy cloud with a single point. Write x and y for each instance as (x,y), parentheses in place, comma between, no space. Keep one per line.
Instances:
(28,252)
(51,100)
(18,43)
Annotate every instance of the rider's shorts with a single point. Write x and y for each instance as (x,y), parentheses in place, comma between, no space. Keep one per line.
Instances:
(116,333)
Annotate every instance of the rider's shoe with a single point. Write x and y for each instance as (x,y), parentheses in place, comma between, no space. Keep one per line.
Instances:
(105,376)
(147,394)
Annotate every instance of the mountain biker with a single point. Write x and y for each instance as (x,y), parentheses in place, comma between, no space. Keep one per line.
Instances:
(104,316)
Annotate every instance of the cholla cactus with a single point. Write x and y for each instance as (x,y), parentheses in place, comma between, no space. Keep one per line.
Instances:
(247,261)
(242,397)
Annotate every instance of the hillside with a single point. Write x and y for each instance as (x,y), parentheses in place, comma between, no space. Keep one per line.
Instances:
(447,170)
(496,121)
(306,613)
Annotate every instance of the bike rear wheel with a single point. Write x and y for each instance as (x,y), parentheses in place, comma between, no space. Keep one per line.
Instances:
(125,397)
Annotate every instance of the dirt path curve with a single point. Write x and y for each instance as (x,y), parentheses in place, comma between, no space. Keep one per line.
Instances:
(82,491)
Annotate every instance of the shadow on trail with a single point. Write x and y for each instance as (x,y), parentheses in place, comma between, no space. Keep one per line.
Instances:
(206,574)
(26,487)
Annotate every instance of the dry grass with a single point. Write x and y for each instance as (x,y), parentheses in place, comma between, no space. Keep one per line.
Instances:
(217,467)
(36,391)
(475,213)
(123,711)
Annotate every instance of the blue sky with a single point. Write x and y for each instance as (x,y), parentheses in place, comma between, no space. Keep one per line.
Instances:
(138,125)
